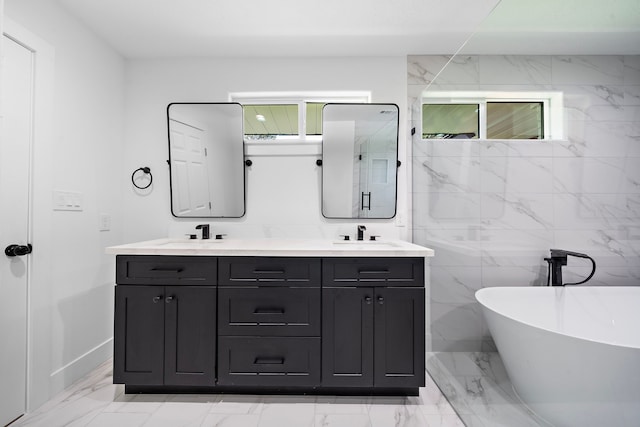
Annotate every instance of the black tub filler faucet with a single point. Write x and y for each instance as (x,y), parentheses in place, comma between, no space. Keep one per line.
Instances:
(557,260)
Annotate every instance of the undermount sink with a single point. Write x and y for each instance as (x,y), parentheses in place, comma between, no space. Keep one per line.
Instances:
(188,243)
(377,243)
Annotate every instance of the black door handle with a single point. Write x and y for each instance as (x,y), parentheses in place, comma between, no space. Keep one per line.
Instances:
(18,250)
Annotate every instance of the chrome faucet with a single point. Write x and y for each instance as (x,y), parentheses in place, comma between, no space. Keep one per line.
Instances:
(205,230)
(361,229)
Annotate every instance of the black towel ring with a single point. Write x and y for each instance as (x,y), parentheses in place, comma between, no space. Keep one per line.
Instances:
(147,171)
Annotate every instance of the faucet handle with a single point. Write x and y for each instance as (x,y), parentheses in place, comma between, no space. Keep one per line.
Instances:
(345,237)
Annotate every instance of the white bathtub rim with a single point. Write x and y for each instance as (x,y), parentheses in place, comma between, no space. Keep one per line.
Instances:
(479,296)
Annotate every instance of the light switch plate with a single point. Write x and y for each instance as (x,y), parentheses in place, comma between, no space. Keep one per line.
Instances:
(105,222)
(67,200)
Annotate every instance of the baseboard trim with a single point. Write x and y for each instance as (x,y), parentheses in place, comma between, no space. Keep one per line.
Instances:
(80,366)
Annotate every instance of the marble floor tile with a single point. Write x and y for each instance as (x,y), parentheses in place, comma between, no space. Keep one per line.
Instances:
(287,414)
(342,420)
(231,420)
(238,404)
(478,389)
(396,416)
(95,401)
(111,419)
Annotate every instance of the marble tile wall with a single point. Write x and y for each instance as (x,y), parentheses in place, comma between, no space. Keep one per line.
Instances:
(493,209)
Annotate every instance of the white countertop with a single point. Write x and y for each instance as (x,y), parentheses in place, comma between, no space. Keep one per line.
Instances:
(273,247)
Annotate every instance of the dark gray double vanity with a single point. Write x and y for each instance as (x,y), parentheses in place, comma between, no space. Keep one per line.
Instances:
(270,316)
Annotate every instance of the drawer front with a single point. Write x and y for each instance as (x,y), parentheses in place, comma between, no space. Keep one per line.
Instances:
(269,271)
(165,270)
(373,271)
(269,361)
(269,311)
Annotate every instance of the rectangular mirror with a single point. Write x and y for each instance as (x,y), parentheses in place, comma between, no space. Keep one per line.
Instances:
(206,159)
(359,160)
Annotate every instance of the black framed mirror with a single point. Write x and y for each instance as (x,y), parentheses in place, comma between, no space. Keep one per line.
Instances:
(206,159)
(359,160)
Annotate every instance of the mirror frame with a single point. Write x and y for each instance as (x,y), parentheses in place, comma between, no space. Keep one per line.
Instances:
(397,166)
(244,154)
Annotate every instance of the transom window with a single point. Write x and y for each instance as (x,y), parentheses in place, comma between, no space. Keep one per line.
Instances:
(288,116)
(491,115)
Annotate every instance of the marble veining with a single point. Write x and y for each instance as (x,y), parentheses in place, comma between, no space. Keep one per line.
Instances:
(515,69)
(501,204)
(479,389)
(95,401)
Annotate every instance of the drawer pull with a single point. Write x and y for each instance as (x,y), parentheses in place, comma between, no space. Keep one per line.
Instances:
(373,271)
(267,310)
(269,361)
(168,269)
(257,271)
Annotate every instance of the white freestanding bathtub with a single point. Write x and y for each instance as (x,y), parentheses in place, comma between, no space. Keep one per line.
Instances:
(572,353)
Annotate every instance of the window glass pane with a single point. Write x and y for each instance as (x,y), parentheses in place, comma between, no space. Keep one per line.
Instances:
(450,121)
(266,121)
(314,118)
(514,120)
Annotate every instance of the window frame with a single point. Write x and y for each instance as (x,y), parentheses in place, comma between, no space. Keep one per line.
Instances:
(552,109)
(301,99)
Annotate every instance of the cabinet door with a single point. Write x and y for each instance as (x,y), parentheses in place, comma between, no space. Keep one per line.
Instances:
(190,335)
(347,337)
(399,337)
(138,335)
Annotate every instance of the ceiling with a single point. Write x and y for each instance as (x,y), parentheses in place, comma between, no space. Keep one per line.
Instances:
(246,28)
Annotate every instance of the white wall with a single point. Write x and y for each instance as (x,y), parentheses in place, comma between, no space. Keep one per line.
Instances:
(71,286)
(283,185)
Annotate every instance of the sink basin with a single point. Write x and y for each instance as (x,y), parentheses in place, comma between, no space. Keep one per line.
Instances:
(364,243)
(189,243)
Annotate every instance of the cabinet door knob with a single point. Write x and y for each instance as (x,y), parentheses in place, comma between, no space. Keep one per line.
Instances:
(157,298)
(380,300)
(169,299)
(367,299)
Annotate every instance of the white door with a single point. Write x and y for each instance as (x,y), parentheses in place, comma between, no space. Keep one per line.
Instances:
(189,176)
(15,153)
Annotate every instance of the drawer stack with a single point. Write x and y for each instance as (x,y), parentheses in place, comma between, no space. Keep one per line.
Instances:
(269,321)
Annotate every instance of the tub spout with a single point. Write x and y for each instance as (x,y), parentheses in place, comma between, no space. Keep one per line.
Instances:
(558,259)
